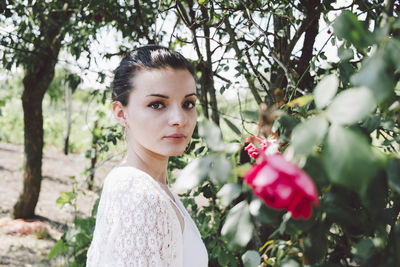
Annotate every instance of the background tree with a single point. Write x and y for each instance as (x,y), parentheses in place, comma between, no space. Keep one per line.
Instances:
(256,38)
(38,34)
(349,118)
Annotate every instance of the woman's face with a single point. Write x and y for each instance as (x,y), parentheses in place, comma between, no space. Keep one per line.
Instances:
(161,113)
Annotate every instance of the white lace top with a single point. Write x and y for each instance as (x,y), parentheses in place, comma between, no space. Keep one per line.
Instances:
(136,225)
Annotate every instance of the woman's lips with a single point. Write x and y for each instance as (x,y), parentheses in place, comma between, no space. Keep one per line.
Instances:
(176,137)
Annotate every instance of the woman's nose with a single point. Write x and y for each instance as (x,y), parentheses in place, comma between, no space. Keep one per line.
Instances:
(177,116)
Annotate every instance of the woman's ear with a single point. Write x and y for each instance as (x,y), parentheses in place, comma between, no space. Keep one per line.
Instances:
(119,113)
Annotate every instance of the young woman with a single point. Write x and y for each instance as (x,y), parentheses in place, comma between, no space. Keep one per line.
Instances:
(140,222)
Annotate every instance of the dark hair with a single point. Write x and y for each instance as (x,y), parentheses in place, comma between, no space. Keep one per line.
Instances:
(146,57)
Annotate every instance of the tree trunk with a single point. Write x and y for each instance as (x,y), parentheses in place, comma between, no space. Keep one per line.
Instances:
(281,37)
(209,74)
(203,89)
(313,11)
(33,138)
(93,156)
(38,75)
(68,108)
(34,88)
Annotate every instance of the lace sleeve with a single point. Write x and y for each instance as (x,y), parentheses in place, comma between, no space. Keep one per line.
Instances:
(133,227)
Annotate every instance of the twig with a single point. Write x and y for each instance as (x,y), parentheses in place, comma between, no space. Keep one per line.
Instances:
(155,22)
(309,65)
(241,115)
(257,73)
(222,78)
(290,85)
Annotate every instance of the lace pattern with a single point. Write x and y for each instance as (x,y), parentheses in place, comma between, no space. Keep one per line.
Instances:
(135,225)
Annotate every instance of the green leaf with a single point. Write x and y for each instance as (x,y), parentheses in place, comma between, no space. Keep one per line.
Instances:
(372,123)
(57,249)
(308,134)
(223,257)
(241,170)
(363,248)
(316,244)
(282,227)
(286,122)
(251,258)
(375,75)
(346,70)
(228,193)
(393,172)
(193,174)
(351,106)
(95,207)
(345,54)
(393,49)
(86,224)
(374,197)
(348,158)
(337,206)
(397,241)
(315,169)
(220,170)
(326,90)
(251,115)
(294,226)
(301,101)
(65,198)
(238,228)
(288,262)
(233,127)
(266,215)
(348,26)
(211,134)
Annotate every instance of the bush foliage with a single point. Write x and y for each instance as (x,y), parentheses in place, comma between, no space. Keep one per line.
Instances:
(343,131)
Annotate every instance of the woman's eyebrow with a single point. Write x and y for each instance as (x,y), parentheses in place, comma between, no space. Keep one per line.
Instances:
(164,96)
(158,95)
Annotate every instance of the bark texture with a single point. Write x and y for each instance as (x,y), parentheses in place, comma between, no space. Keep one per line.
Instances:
(39,72)
(313,14)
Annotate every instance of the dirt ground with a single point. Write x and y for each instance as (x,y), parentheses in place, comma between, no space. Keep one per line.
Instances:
(31,250)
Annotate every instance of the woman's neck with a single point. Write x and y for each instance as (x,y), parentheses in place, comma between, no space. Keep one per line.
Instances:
(153,164)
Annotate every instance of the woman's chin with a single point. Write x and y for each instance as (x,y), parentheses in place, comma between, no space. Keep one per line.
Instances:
(175,150)
(176,153)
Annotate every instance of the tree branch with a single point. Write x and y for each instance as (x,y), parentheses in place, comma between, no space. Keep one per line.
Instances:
(290,85)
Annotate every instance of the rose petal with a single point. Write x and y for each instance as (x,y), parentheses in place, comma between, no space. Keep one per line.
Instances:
(265,144)
(249,146)
(303,209)
(280,164)
(296,200)
(283,185)
(252,173)
(265,177)
(279,194)
(257,139)
(284,192)
(307,186)
(252,151)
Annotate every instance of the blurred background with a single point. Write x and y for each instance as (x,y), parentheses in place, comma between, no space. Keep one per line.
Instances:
(318,78)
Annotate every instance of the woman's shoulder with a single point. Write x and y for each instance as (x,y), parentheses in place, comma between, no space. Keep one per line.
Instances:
(130,188)
(128,179)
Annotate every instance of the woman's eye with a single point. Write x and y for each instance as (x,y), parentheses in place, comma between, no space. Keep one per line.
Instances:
(156,105)
(189,105)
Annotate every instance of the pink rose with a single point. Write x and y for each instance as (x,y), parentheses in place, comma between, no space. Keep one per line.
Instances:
(283,185)
(253,150)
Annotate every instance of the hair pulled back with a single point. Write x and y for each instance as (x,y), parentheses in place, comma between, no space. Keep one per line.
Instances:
(144,58)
